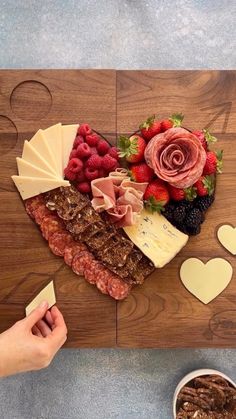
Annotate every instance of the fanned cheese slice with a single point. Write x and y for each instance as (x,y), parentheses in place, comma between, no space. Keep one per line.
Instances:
(31,186)
(53,136)
(31,155)
(39,143)
(47,294)
(68,135)
(27,169)
(158,239)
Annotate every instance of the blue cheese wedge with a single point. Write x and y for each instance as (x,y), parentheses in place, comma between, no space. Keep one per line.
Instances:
(156,237)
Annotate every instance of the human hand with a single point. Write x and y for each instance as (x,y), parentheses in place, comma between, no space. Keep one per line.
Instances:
(31,343)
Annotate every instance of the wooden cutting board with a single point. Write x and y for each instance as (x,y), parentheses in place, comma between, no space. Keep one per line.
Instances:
(161,313)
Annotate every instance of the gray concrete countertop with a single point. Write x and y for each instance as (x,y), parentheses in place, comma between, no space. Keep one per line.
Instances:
(131,34)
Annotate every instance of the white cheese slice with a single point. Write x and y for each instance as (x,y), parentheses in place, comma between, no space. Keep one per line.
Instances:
(53,136)
(31,186)
(47,294)
(39,142)
(31,155)
(68,135)
(27,169)
(159,240)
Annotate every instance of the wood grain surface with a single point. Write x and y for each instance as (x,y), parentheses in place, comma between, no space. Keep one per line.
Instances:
(30,100)
(161,313)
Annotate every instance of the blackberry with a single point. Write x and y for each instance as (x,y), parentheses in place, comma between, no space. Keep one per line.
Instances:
(187,204)
(204,202)
(193,218)
(179,214)
(169,212)
(182,227)
(193,231)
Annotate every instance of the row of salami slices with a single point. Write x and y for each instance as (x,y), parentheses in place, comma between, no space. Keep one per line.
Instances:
(44,157)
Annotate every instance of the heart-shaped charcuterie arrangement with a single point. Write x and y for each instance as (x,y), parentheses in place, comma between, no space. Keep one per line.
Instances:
(89,198)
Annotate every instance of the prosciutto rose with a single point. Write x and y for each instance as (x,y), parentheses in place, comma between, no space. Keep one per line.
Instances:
(176,156)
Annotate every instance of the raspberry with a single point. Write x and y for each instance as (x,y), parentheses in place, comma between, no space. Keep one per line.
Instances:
(84,187)
(75,165)
(84,129)
(91,174)
(101,172)
(73,154)
(109,163)
(92,139)
(69,174)
(80,176)
(93,150)
(83,151)
(102,147)
(114,153)
(94,162)
(78,140)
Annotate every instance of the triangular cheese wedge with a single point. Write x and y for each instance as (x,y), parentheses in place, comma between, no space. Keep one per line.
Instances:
(47,294)
(30,186)
(53,136)
(40,144)
(27,169)
(31,155)
(68,135)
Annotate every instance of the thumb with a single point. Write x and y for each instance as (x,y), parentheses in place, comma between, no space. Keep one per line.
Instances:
(37,314)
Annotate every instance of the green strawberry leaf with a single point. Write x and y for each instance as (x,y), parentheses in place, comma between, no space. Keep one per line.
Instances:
(190,193)
(127,147)
(153,205)
(219,164)
(210,139)
(209,184)
(177,119)
(148,123)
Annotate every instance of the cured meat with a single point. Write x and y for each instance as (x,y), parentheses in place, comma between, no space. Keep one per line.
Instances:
(117,288)
(32,204)
(50,225)
(40,213)
(80,261)
(58,241)
(71,249)
(103,276)
(176,156)
(90,272)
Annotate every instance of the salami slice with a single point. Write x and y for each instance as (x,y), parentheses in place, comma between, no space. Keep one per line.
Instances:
(58,241)
(51,225)
(103,275)
(90,271)
(71,249)
(117,288)
(40,213)
(32,204)
(80,261)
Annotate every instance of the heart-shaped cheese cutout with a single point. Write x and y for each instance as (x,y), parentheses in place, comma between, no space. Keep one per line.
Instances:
(206,281)
(227,237)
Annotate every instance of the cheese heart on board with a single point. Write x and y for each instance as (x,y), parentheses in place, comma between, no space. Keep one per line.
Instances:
(227,237)
(206,281)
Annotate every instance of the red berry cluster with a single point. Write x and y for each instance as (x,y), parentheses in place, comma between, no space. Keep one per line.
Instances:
(92,157)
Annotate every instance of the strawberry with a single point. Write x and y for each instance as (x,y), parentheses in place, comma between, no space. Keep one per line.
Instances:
(75,165)
(78,140)
(69,174)
(103,147)
(201,137)
(156,196)
(141,172)
(114,153)
(178,194)
(211,163)
(150,127)
(94,162)
(132,148)
(205,185)
(84,187)
(175,120)
(109,163)
(90,173)
(92,139)
(84,129)
(83,151)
